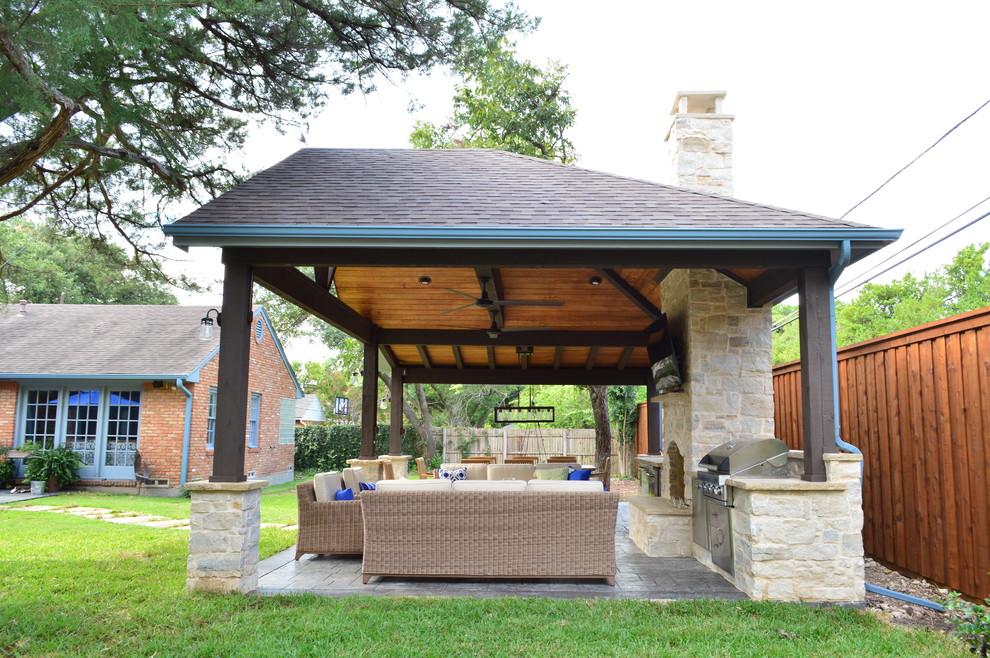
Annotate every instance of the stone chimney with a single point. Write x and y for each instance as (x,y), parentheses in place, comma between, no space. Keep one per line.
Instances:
(700,142)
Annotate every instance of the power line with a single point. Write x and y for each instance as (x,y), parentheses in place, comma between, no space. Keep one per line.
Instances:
(899,171)
(788,319)
(924,237)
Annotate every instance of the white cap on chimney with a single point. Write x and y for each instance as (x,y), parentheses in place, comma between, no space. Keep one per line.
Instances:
(700,142)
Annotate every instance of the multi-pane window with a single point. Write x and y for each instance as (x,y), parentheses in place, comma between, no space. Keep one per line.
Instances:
(82,416)
(211,419)
(253,420)
(41,418)
(122,427)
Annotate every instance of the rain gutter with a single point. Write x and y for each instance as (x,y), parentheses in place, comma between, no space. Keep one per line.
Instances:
(186,431)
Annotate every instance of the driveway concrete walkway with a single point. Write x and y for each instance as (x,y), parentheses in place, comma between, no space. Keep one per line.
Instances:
(639,577)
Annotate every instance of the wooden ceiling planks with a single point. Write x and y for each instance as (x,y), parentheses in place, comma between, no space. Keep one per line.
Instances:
(393,298)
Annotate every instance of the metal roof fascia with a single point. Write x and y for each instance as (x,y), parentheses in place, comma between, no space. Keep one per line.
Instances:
(202,234)
(116,376)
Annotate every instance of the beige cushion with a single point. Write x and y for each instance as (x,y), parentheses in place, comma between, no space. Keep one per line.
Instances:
(474,471)
(510,471)
(546,466)
(551,473)
(414,485)
(489,485)
(351,478)
(326,485)
(565,485)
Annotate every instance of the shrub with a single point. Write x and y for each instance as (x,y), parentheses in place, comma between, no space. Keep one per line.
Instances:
(59,463)
(7,470)
(972,622)
(328,447)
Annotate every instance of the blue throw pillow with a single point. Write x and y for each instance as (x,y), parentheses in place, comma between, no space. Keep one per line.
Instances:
(367,486)
(580,473)
(344,494)
(452,474)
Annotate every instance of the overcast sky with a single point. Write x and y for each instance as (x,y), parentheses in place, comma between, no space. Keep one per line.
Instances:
(830,100)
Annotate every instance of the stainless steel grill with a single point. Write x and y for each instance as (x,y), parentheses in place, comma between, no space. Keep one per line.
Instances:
(713,498)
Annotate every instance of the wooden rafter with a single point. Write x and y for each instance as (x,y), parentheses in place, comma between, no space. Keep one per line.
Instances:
(536,338)
(631,293)
(324,276)
(424,356)
(611,376)
(592,357)
(458,358)
(291,284)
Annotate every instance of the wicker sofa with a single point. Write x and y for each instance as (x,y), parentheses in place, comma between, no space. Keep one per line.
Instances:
(327,528)
(490,534)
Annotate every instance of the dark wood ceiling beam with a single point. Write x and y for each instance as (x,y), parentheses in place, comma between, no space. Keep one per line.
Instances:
(294,286)
(771,287)
(512,338)
(729,274)
(558,355)
(495,290)
(458,358)
(424,356)
(324,276)
(604,257)
(662,274)
(592,357)
(608,376)
(631,293)
(491,357)
(624,359)
(389,356)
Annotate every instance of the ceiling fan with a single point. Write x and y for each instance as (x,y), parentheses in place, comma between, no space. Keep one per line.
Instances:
(489,304)
(494,331)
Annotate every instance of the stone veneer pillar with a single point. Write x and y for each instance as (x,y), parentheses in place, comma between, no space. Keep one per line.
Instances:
(224,530)
(372,468)
(796,540)
(726,354)
(400,464)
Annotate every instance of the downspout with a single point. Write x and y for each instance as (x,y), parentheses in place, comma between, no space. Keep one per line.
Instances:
(845,252)
(186,431)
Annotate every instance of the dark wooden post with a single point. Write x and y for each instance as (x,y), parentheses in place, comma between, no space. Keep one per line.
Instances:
(653,429)
(232,379)
(395,413)
(817,383)
(369,397)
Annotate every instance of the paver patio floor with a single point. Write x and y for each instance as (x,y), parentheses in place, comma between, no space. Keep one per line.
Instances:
(638,577)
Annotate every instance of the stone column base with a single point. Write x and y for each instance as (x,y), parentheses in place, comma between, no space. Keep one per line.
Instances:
(658,528)
(372,468)
(224,529)
(400,464)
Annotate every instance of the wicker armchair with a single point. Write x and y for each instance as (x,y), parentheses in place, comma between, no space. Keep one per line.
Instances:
(328,528)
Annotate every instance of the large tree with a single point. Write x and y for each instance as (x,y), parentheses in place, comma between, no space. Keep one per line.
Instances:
(504,103)
(111,110)
(882,308)
(40,265)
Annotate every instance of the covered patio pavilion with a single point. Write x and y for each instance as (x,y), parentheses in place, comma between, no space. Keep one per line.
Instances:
(559,275)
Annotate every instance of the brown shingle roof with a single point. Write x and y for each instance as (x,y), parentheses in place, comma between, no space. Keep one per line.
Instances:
(90,339)
(472,188)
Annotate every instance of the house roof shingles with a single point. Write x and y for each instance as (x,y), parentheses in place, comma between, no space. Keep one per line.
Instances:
(473,188)
(91,339)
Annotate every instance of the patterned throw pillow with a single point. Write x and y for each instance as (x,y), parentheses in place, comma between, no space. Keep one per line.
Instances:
(580,474)
(344,494)
(551,473)
(452,474)
(367,486)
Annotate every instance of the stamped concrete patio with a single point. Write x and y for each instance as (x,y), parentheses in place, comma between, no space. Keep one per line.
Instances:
(639,577)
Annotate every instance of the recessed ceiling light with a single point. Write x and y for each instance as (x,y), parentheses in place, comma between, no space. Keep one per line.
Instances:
(425,280)
(595,281)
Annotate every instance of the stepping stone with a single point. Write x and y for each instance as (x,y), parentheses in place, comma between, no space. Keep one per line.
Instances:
(133,520)
(168,523)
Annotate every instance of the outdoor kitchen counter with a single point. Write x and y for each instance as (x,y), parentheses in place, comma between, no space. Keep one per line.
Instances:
(783,484)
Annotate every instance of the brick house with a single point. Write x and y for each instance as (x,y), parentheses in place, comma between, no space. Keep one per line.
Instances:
(109,381)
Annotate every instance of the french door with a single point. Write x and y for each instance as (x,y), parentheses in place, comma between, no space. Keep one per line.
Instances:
(100,424)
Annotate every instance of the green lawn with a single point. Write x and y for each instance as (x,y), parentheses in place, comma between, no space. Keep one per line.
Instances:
(278,504)
(72,586)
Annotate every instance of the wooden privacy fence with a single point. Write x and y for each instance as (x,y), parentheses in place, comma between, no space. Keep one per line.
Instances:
(461,442)
(917,403)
